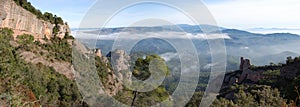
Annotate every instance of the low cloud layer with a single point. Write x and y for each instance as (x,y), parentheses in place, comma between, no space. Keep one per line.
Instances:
(169,35)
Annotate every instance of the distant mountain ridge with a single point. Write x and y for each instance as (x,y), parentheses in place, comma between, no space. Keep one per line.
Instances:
(255,46)
(194,29)
(166,28)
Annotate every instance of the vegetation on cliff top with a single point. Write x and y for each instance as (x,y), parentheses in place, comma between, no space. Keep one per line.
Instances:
(273,90)
(46,16)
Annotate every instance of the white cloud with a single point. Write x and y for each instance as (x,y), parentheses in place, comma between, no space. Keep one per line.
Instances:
(166,35)
(168,56)
(207,66)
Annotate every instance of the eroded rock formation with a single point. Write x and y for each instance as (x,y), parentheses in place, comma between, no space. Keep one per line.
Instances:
(117,66)
(120,64)
(22,21)
(243,76)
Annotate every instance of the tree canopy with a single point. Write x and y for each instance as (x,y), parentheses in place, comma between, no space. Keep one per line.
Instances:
(142,69)
(28,84)
(46,16)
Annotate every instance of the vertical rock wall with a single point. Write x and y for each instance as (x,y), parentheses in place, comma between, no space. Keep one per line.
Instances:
(22,21)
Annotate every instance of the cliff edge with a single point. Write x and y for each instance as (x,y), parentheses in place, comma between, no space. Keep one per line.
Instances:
(22,21)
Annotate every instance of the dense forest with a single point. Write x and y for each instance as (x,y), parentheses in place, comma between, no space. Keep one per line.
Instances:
(28,84)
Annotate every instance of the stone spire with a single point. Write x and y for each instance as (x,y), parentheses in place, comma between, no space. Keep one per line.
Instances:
(98,53)
(245,64)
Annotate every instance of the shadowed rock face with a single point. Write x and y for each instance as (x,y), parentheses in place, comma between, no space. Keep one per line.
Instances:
(245,64)
(22,21)
(120,64)
(248,74)
(243,76)
(117,66)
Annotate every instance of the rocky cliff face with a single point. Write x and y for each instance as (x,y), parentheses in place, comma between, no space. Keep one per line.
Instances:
(244,75)
(117,66)
(250,76)
(22,21)
(120,64)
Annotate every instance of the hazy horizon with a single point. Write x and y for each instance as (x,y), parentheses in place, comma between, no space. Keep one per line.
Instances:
(259,30)
(230,13)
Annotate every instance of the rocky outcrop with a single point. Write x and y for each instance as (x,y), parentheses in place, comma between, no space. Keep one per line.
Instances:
(117,66)
(120,64)
(61,67)
(22,21)
(63,30)
(243,76)
(248,74)
(245,64)
(98,53)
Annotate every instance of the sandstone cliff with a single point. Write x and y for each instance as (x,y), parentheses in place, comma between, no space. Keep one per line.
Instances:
(120,64)
(117,66)
(22,21)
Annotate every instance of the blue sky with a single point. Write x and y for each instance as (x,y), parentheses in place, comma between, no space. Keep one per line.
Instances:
(240,14)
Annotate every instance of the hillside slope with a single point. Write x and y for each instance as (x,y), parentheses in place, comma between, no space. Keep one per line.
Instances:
(270,85)
(36,59)
(36,54)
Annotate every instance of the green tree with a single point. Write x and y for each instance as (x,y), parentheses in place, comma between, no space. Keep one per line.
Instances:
(141,69)
(28,82)
(25,39)
(222,102)
(244,99)
(253,96)
(46,16)
(289,60)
